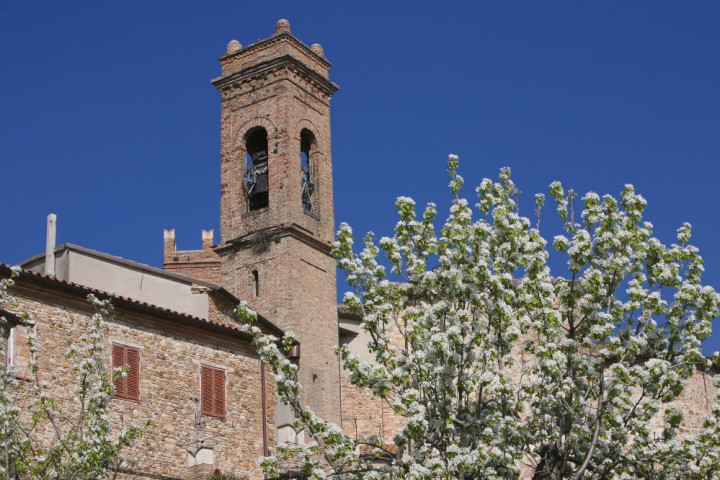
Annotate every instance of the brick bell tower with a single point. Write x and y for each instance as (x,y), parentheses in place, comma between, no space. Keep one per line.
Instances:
(276,206)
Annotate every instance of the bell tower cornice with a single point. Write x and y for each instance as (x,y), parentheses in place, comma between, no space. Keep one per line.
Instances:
(278,40)
(234,80)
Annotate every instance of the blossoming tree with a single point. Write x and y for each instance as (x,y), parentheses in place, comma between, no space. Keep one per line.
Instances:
(50,439)
(506,369)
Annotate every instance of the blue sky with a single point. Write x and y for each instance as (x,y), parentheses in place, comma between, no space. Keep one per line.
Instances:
(109,120)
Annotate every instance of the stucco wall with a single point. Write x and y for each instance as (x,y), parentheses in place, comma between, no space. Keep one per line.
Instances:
(143,284)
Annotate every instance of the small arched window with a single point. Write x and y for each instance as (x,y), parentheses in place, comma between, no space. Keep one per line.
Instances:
(255,178)
(307,169)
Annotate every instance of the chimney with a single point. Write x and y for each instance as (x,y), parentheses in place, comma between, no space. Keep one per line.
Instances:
(50,245)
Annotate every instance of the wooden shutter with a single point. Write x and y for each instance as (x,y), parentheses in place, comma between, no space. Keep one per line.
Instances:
(219,393)
(132,382)
(212,395)
(206,397)
(118,360)
(128,387)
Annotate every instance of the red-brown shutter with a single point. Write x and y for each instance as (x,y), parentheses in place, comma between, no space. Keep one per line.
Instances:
(212,391)
(219,393)
(132,382)
(118,360)
(206,395)
(128,387)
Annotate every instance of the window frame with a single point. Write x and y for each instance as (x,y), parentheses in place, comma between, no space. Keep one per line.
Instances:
(216,391)
(10,351)
(17,329)
(122,385)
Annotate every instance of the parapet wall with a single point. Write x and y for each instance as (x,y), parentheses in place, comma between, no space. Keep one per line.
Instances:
(202,264)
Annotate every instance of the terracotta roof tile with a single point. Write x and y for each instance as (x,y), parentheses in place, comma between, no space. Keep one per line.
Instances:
(264,323)
(52,281)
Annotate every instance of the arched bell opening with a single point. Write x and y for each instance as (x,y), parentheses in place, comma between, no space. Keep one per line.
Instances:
(307,168)
(255,177)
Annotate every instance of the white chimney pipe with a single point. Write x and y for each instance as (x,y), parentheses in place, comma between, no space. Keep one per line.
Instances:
(50,245)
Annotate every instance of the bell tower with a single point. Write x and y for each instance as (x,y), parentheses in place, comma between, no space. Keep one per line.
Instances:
(276,205)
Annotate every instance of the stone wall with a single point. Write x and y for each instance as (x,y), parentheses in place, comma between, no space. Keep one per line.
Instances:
(4,334)
(171,354)
(696,404)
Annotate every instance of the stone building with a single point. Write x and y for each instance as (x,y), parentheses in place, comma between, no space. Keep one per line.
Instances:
(192,369)
(193,372)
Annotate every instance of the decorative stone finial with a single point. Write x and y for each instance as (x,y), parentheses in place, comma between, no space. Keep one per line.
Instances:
(282,26)
(233,46)
(317,49)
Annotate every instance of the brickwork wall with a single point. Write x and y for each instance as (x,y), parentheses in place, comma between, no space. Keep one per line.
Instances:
(171,355)
(296,291)
(221,310)
(279,105)
(202,264)
(363,413)
(283,101)
(261,87)
(271,48)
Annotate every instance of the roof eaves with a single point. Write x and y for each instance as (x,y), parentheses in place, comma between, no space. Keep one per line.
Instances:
(264,322)
(345,312)
(121,301)
(13,318)
(269,326)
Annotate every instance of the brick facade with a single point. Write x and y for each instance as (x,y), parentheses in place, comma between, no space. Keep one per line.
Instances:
(277,257)
(202,264)
(363,414)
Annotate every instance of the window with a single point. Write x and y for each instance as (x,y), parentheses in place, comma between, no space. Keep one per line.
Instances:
(11,342)
(256,283)
(14,338)
(128,387)
(212,395)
